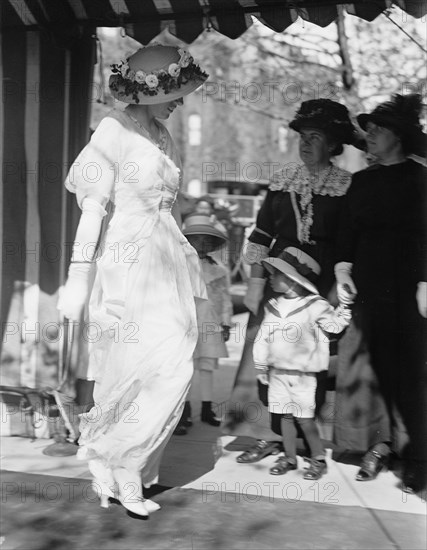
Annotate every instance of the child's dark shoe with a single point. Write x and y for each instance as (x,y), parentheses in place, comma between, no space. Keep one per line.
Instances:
(186,415)
(180,429)
(185,420)
(282,466)
(256,453)
(316,469)
(208,414)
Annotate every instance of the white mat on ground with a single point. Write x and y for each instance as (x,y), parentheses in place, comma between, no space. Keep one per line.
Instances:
(20,454)
(338,486)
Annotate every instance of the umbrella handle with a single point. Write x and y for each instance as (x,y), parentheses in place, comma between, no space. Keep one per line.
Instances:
(67,349)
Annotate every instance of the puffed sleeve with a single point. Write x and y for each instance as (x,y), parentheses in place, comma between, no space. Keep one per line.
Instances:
(94,171)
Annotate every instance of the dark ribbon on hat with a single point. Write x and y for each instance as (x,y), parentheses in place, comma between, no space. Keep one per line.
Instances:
(303,269)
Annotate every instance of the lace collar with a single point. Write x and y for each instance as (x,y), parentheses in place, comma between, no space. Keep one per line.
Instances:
(332,181)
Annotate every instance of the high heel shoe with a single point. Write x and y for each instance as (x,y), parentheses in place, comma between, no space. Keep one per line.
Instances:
(103,483)
(130,493)
(104,492)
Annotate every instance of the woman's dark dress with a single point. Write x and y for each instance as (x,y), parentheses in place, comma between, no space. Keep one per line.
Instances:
(276,228)
(381,376)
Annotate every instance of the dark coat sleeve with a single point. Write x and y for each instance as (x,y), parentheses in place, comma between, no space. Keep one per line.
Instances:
(347,234)
(265,230)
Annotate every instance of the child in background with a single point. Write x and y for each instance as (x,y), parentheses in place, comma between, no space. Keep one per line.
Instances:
(291,346)
(213,315)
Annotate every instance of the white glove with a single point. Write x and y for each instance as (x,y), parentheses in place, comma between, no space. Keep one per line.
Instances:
(254,294)
(346,289)
(421,297)
(73,296)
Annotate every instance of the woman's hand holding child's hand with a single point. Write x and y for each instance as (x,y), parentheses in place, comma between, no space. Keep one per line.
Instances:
(346,289)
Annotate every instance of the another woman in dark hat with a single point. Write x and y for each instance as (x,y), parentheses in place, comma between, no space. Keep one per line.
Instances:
(382,253)
(301,210)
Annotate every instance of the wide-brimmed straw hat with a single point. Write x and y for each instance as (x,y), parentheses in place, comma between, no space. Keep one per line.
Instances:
(401,114)
(297,265)
(329,116)
(156,74)
(201,224)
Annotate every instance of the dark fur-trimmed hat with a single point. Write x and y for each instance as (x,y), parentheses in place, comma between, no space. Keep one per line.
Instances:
(402,115)
(326,115)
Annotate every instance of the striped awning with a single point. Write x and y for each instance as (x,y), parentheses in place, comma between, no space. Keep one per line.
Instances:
(186,19)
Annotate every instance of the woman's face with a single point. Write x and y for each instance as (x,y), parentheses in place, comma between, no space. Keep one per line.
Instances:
(314,147)
(381,141)
(164,110)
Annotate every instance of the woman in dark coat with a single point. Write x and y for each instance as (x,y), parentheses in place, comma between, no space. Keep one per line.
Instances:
(301,209)
(382,253)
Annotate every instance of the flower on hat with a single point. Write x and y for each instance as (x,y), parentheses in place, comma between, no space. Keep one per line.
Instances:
(174,69)
(165,80)
(140,77)
(152,81)
(124,69)
(185,58)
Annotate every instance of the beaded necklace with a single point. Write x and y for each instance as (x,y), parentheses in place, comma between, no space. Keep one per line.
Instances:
(161,143)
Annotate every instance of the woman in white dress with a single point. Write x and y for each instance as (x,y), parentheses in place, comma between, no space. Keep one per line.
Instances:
(146,277)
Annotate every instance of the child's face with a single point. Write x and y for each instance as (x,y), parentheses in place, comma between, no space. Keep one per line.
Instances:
(203,207)
(281,283)
(204,244)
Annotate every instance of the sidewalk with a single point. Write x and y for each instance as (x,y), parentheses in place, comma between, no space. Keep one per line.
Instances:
(208,500)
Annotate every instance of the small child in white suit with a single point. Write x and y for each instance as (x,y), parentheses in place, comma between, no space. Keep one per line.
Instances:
(290,348)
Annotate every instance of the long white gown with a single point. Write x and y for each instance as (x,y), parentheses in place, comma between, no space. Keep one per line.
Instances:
(142,314)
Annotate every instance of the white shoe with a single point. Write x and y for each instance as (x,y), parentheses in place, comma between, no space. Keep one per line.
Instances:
(151,505)
(103,483)
(130,493)
(104,493)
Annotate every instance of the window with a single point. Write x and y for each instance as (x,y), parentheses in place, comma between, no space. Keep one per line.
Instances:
(282,138)
(194,129)
(194,188)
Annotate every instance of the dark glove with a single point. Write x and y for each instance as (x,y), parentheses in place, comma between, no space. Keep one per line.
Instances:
(226,333)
